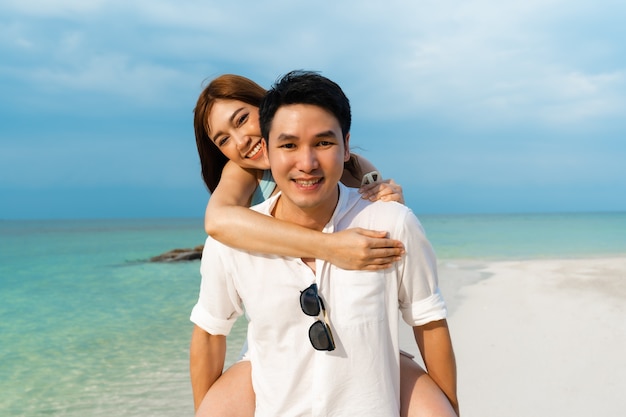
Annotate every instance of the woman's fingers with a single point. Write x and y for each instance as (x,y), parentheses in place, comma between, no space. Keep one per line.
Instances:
(387,190)
(382,252)
(362,249)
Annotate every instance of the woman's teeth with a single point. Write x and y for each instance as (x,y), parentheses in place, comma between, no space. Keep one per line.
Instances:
(254,151)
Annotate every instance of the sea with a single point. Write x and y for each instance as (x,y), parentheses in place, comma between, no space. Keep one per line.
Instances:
(90,327)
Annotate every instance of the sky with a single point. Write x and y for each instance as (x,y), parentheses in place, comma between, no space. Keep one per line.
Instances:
(473,106)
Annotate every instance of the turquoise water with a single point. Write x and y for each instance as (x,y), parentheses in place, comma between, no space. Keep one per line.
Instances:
(88,328)
(524,236)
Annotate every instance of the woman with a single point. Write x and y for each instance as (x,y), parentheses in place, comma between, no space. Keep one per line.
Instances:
(236,171)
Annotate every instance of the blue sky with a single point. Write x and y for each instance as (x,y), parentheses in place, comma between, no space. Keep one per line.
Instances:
(473,106)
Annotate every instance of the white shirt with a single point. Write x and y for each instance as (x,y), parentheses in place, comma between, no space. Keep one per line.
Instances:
(361,376)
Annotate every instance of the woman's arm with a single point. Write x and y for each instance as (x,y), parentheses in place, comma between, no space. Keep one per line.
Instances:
(206,361)
(229,220)
(433,340)
(365,166)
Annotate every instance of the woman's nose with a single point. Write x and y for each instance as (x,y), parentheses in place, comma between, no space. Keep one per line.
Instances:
(243,143)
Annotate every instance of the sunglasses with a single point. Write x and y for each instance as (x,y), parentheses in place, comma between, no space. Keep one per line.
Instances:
(370,178)
(319,333)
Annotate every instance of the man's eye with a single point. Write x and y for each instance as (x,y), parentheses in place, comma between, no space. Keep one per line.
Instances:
(325,143)
(288,146)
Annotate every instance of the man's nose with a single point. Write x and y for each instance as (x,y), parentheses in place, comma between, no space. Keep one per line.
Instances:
(307,159)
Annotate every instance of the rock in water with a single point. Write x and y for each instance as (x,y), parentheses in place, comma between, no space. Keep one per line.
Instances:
(177,255)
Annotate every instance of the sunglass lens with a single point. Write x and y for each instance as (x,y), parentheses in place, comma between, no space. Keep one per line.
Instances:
(310,302)
(320,339)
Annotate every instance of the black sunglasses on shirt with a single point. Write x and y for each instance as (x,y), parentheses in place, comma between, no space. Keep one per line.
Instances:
(320,334)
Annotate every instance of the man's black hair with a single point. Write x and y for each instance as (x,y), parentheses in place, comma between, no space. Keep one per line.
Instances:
(305,87)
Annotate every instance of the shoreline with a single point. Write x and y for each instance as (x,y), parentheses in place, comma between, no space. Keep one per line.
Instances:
(540,337)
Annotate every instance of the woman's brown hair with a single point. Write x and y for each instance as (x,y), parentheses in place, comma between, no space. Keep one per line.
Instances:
(224,87)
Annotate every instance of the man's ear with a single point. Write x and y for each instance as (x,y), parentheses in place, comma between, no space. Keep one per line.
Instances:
(346,143)
(264,149)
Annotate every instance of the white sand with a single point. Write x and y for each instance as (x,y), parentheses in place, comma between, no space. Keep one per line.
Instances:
(538,338)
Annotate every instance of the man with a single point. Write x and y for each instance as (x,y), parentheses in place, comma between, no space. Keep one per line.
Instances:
(322,341)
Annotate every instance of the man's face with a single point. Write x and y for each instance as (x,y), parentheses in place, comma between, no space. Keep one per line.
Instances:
(306,151)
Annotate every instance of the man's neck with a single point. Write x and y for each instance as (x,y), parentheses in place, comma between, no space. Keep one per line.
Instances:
(315,218)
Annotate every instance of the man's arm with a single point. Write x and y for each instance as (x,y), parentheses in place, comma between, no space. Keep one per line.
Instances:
(433,340)
(206,362)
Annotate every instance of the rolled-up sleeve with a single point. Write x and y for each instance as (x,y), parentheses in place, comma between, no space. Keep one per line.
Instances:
(218,304)
(420,299)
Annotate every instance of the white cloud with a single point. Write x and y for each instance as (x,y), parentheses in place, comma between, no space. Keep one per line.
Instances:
(470,61)
(485,62)
(53,8)
(114,75)
(581,97)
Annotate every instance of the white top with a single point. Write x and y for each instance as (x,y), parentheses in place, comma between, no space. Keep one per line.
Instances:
(361,376)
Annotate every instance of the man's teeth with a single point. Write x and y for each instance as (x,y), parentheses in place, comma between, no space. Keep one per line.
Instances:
(308,183)
(254,150)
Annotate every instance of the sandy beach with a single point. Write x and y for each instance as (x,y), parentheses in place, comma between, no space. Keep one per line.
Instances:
(537,338)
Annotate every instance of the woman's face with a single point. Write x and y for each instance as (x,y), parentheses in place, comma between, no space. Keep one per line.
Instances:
(236,132)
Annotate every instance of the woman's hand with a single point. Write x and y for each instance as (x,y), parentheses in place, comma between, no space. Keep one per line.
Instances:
(386,190)
(362,249)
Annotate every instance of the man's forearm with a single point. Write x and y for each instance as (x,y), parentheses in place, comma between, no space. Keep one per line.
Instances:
(206,362)
(433,340)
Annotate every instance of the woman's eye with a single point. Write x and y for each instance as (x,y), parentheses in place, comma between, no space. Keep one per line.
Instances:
(242,119)
(222,141)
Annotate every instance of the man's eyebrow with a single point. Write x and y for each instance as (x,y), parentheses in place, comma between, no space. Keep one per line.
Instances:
(324,134)
(231,120)
(286,136)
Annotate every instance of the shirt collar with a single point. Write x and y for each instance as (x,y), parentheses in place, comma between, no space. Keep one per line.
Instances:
(343,204)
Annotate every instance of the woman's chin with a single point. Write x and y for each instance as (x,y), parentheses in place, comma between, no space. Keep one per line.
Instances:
(260,164)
